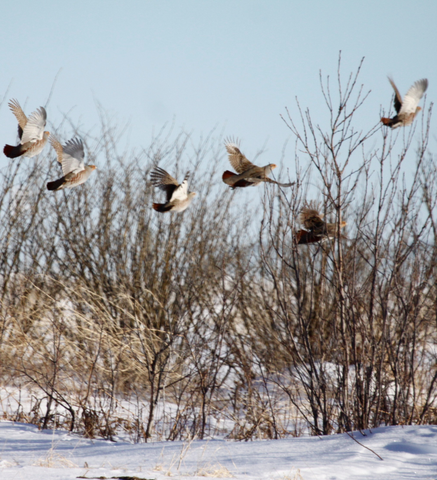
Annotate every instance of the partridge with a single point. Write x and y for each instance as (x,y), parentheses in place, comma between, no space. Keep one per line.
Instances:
(177,196)
(71,157)
(248,174)
(30,131)
(315,228)
(407,108)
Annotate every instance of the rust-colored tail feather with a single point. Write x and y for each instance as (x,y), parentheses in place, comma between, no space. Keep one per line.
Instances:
(228,174)
(387,121)
(241,183)
(56,185)
(303,237)
(14,152)
(161,207)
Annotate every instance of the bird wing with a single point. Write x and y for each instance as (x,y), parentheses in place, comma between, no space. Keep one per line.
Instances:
(164,181)
(311,219)
(398,99)
(19,115)
(413,96)
(56,144)
(181,192)
(238,161)
(73,156)
(34,129)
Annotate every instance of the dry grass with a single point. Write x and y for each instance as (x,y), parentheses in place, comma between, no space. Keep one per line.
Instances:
(293,475)
(213,471)
(54,460)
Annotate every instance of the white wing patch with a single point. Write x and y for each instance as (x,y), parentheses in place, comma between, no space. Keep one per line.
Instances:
(413,96)
(71,165)
(181,192)
(34,129)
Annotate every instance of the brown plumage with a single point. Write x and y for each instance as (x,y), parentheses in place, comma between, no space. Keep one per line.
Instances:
(248,174)
(72,179)
(177,196)
(315,228)
(230,179)
(407,108)
(30,131)
(71,157)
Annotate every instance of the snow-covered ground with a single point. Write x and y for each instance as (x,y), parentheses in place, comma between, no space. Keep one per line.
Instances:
(407,452)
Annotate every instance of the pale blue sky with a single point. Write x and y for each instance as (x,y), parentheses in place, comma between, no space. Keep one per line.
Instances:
(231,64)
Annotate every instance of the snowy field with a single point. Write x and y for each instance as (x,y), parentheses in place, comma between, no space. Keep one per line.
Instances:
(407,453)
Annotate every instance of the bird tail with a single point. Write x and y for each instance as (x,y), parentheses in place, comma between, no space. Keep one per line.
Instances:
(56,185)
(14,152)
(226,177)
(387,121)
(161,207)
(304,237)
(228,174)
(240,183)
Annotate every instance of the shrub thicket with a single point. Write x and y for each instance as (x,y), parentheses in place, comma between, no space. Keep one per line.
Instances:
(214,320)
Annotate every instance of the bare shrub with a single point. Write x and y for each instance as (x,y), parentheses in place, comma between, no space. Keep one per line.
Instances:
(214,321)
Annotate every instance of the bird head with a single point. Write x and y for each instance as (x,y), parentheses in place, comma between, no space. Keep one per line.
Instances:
(269,168)
(418,109)
(46,134)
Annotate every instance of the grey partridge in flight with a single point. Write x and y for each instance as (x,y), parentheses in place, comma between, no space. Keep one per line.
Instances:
(30,131)
(248,174)
(71,157)
(177,196)
(315,228)
(407,108)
